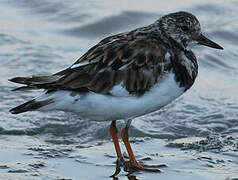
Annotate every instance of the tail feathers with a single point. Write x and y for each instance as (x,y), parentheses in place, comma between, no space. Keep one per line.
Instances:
(25,88)
(30,106)
(35,82)
(35,79)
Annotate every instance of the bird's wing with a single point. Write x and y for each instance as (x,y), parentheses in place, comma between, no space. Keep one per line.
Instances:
(137,63)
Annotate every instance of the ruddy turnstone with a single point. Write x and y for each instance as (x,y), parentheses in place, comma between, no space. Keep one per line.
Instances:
(124,76)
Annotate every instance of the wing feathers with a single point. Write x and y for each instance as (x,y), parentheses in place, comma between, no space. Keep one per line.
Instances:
(137,64)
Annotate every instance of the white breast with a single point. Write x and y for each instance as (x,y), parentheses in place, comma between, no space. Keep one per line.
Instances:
(119,105)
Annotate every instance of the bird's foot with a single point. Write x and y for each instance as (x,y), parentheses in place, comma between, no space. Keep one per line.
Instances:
(132,167)
(119,163)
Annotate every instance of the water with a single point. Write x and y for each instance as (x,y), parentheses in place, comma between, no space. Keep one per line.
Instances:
(197,135)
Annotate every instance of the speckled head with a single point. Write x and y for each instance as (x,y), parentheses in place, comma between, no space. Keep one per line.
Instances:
(185,29)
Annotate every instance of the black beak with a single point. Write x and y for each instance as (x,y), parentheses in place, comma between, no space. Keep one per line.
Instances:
(207,42)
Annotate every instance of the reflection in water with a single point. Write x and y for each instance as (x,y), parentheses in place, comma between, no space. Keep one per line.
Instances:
(41,37)
(130,177)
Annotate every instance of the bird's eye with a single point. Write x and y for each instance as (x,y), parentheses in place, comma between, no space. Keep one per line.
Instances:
(184,28)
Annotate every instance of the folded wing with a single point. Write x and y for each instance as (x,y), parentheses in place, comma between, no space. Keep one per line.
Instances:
(136,64)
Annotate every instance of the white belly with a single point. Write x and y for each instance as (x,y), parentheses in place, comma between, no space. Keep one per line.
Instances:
(119,105)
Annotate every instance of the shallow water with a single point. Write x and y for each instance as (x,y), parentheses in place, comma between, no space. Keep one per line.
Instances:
(196,136)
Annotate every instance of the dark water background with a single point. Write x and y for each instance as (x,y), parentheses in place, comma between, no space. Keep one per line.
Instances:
(197,135)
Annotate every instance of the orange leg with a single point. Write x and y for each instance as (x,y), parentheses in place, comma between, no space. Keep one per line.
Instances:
(114,135)
(125,138)
(133,165)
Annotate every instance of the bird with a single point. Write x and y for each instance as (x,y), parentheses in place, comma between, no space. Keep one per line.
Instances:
(124,76)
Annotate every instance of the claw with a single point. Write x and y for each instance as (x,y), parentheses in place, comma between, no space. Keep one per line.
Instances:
(139,166)
(133,167)
(155,166)
(118,168)
(119,163)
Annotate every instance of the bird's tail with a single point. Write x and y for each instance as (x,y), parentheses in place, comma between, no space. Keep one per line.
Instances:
(35,82)
(30,106)
(31,83)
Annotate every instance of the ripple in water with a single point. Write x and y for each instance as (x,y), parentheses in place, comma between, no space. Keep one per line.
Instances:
(56,33)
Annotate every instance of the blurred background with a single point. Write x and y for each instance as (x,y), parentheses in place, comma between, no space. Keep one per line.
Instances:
(196,136)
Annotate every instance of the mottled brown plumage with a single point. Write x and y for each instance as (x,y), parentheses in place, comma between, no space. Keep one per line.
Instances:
(135,59)
(136,63)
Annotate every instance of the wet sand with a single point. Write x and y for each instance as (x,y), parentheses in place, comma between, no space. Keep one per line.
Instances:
(196,136)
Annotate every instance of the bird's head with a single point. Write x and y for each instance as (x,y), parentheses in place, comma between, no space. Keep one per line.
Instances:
(184,28)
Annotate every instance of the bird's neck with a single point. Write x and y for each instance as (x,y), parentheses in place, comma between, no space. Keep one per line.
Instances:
(183,61)
(184,65)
